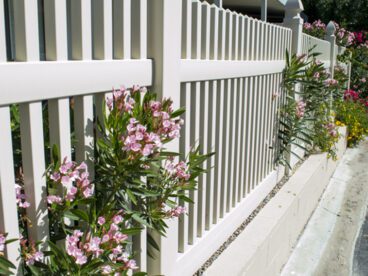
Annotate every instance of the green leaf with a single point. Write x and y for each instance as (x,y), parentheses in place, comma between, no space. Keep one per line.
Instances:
(131,196)
(70,215)
(35,270)
(55,153)
(131,231)
(10,241)
(140,274)
(6,262)
(137,218)
(151,241)
(80,214)
(178,112)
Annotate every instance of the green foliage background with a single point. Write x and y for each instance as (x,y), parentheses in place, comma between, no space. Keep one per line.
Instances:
(348,13)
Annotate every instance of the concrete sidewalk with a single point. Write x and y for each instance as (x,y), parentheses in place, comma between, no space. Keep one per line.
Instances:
(326,247)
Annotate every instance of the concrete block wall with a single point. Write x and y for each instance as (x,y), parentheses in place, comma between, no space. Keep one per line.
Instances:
(266,243)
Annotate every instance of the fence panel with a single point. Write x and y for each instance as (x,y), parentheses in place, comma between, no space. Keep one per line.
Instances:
(228,69)
(82,63)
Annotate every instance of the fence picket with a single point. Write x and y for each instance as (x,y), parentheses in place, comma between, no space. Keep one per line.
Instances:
(239,136)
(122,29)
(57,49)
(139,25)
(102,33)
(184,149)
(81,48)
(194,111)
(245,131)
(250,115)
(31,122)
(8,206)
(194,215)
(233,138)
(185,101)
(207,188)
(229,35)
(227,143)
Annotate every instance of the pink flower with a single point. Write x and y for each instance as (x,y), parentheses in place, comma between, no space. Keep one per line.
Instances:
(117,219)
(300,109)
(148,149)
(54,199)
(155,106)
(71,193)
(105,238)
(117,250)
(55,176)
(131,264)
(331,82)
(176,212)
(2,243)
(94,246)
(119,237)
(20,197)
(65,180)
(106,269)
(24,204)
(80,259)
(32,258)
(101,221)
(88,192)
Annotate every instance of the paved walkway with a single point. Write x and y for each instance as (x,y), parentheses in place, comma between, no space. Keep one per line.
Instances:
(327,246)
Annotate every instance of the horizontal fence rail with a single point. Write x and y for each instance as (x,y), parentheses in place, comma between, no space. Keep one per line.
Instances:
(320,46)
(225,68)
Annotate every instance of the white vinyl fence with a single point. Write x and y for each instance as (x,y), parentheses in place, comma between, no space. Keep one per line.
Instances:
(224,67)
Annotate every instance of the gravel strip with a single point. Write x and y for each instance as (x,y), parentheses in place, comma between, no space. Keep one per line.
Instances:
(247,221)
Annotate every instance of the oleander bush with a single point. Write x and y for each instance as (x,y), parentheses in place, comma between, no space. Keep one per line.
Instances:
(137,183)
(307,117)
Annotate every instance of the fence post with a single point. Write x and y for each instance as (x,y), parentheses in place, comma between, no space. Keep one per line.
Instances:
(349,70)
(264,10)
(330,37)
(164,47)
(292,20)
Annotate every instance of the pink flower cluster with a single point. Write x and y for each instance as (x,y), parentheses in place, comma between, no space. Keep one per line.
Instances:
(331,129)
(176,212)
(177,170)
(21,197)
(138,140)
(300,109)
(2,243)
(167,128)
(30,252)
(319,24)
(121,100)
(343,37)
(141,142)
(307,26)
(74,248)
(331,82)
(361,39)
(351,95)
(110,241)
(69,173)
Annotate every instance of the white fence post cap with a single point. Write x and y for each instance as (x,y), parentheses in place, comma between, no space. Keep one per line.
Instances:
(294,6)
(330,28)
